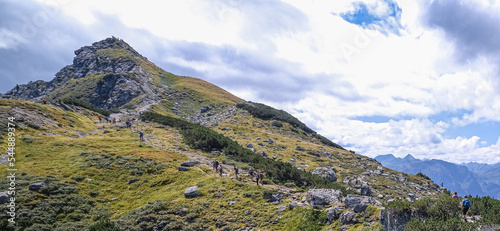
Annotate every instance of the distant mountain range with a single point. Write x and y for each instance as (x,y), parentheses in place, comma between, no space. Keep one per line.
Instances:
(467,178)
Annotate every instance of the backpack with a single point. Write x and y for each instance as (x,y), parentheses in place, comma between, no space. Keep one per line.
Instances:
(466,203)
(261,175)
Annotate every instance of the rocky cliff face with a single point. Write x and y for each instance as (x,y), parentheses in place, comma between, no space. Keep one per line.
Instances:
(107,74)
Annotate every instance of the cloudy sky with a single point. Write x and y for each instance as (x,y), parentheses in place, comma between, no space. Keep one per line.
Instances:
(375,76)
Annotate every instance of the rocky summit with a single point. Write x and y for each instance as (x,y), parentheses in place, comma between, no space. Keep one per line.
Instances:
(109,74)
(114,142)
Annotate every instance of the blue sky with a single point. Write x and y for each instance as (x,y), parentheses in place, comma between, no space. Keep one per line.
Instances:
(378,76)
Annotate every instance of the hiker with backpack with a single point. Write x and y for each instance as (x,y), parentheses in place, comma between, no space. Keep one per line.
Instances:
(260,176)
(220,170)
(141,136)
(455,195)
(465,206)
(250,172)
(216,165)
(236,171)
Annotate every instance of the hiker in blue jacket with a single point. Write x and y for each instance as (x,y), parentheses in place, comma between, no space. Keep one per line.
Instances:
(465,206)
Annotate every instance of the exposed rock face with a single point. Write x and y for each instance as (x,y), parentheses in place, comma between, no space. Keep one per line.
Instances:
(394,220)
(333,213)
(347,217)
(112,75)
(325,196)
(327,172)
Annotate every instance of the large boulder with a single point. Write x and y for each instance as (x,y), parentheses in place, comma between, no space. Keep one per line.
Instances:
(325,196)
(327,172)
(189,163)
(37,186)
(191,192)
(359,203)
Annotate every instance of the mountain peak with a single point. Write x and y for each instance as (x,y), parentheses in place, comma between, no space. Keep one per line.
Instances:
(111,55)
(409,157)
(107,74)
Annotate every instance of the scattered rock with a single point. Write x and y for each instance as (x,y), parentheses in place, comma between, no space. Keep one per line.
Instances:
(225,129)
(143,219)
(232,203)
(204,109)
(132,181)
(274,197)
(300,149)
(249,145)
(183,169)
(292,205)
(219,194)
(327,172)
(269,141)
(191,192)
(264,154)
(189,163)
(292,160)
(37,186)
(281,208)
(4,197)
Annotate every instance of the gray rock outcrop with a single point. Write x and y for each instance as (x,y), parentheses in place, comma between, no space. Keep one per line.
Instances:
(327,172)
(347,217)
(325,196)
(359,203)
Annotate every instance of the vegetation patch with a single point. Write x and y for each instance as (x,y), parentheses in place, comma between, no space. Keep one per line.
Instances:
(265,112)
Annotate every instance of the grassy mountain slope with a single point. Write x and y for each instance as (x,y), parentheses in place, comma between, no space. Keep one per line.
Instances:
(101,171)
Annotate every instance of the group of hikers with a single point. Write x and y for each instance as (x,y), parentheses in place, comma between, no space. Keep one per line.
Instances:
(219,169)
(465,205)
(114,121)
(128,124)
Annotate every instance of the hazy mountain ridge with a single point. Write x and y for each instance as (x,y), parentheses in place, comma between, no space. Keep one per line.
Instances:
(467,178)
